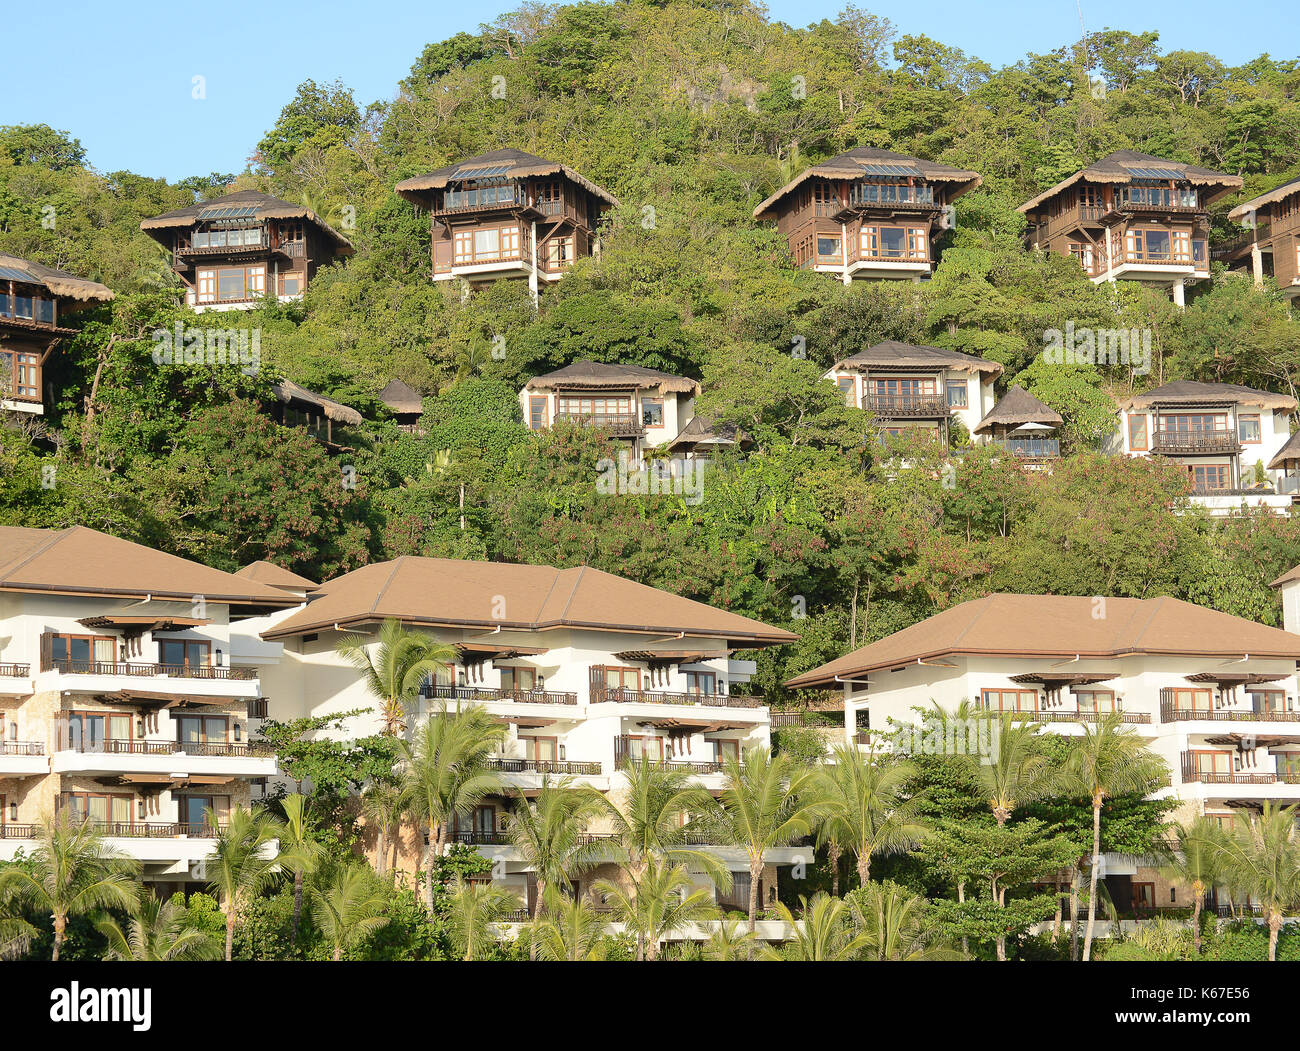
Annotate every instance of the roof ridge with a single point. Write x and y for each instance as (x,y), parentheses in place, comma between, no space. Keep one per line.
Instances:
(987,600)
(564,613)
(383,588)
(59,535)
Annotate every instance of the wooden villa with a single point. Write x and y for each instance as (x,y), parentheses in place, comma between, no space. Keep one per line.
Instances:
(868,214)
(1270,248)
(34,300)
(508,214)
(234,250)
(1132,217)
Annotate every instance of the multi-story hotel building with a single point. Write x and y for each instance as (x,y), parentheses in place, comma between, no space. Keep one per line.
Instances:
(584,669)
(34,300)
(1271,245)
(119,699)
(232,251)
(1214,695)
(508,214)
(644,407)
(868,214)
(1228,437)
(1132,217)
(909,388)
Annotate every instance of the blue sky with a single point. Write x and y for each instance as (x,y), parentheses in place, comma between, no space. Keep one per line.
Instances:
(130,103)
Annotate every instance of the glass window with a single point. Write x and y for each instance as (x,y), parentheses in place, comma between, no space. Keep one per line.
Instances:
(828,248)
(1137,433)
(536,412)
(1011,700)
(652,412)
(184,652)
(290,284)
(957,394)
(230,284)
(1248,429)
(487,243)
(702,682)
(845,384)
(541,749)
(1095,700)
(518,679)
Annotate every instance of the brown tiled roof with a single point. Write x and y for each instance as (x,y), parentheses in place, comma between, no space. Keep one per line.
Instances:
(1192,392)
(269,573)
(1063,626)
(1018,406)
(519,164)
(56,282)
(1255,204)
(1287,577)
(850,166)
(591,375)
(1117,167)
(83,561)
(268,207)
(453,593)
(893,354)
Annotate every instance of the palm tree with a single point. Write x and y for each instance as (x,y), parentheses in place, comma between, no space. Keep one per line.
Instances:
(1018,772)
(300,852)
(549,833)
(400,664)
(73,873)
(348,908)
(1197,860)
(444,773)
(894,925)
(475,908)
(731,940)
(242,864)
(661,901)
(570,930)
(652,820)
(381,806)
(825,933)
(1109,759)
(158,931)
(861,799)
(1262,859)
(765,803)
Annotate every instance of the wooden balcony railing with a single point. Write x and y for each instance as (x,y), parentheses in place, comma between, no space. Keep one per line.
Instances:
(621,425)
(1170,714)
(1187,442)
(929,406)
(541,766)
(1193,775)
(623,750)
(602,695)
(15,671)
(150,830)
(9,830)
(1031,448)
(1133,718)
(484,693)
(77,742)
(21,748)
(230,749)
(141,670)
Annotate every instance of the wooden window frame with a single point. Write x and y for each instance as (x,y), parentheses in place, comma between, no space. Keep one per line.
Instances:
(225,719)
(949,386)
(1134,421)
(531,745)
(1259,428)
(1000,691)
(535,402)
(1096,695)
(69,636)
(186,643)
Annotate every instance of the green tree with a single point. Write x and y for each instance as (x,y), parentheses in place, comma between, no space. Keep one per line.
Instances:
(348,908)
(243,863)
(1262,859)
(157,931)
(401,662)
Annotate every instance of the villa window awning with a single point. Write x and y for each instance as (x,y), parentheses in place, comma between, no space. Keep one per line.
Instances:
(143,623)
(1051,680)
(1243,740)
(482,651)
(526,722)
(668,656)
(1237,678)
(146,699)
(694,725)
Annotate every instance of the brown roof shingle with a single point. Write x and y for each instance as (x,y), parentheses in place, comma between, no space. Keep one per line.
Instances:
(1193,392)
(56,282)
(519,164)
(1117,167)
(893,354)
(1063,626)
(84,561)
(590,375)
(454,593)
(268,207)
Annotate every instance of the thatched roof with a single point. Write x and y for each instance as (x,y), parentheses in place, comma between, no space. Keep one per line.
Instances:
(892,354)
(1118,168)
(703,431)
(852,165)
(401,398)
(599,375)
(1255,204)
(1289,453)
(1189,392)
(56,282)
(1018,406)
(290,393)
(517,165)
(267,207)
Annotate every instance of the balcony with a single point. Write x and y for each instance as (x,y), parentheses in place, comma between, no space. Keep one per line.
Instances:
(1192,774)
(1193,443)
(623,750)
(620,425)
(487,694)
(14,671)
(1031,448)
(1155,199)
(1074,716)
(116,668)
(928,406)
(1170,714)
(611,694)
(542,766)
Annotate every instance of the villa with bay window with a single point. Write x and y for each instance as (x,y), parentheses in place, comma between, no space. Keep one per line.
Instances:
(583,669)
(508,214)
(1214,695)
(1132,217)
(234,250)
(868,214)
(909,388)
(34,300)
(1231,439)
(122,699)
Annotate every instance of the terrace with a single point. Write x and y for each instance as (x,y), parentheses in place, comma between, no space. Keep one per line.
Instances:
(619,694)
(1191,443)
